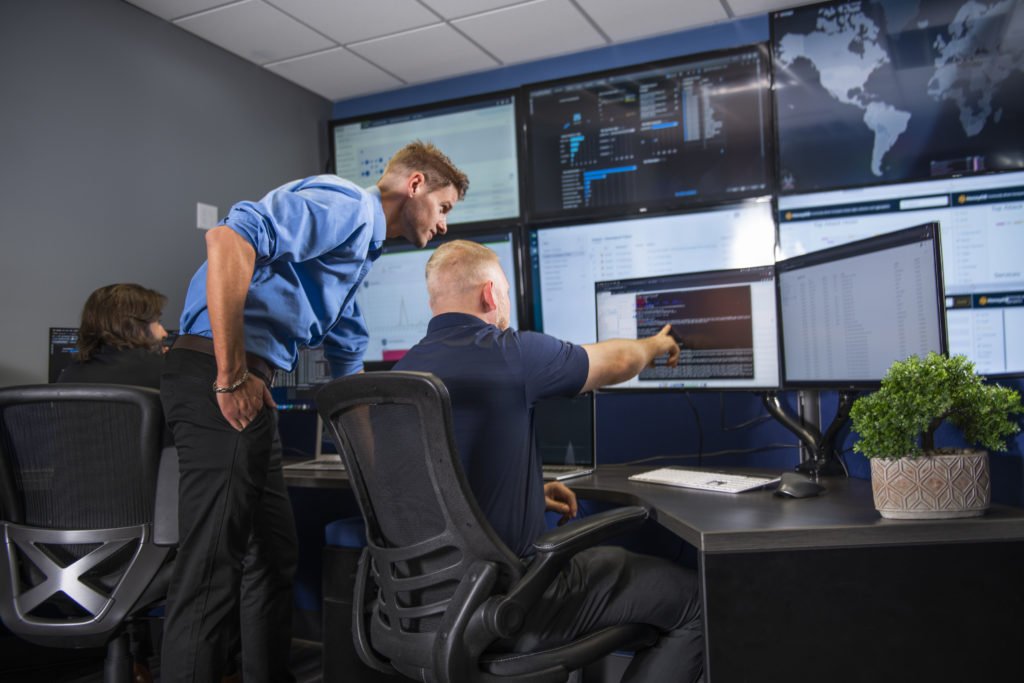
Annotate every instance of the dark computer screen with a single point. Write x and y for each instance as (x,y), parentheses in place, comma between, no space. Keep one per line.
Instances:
(724,321)
(896,91)
(981,219)
(478,134)
(848,312)
(393,297)
(566,260)
(563,429)
(679,133)
(63,343)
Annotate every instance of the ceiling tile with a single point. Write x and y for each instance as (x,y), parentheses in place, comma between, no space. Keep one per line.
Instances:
(175,9)
(426,54)
(452,9)
(651,17)
(532,30)
(335,74)
(256,31)
(353,21)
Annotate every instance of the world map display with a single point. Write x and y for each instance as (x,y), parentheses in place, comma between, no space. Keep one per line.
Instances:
(883,91)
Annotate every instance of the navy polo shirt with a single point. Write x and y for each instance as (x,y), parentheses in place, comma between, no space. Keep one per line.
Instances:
(494,377)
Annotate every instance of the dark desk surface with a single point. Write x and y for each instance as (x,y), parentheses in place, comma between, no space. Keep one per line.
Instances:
(844,516)
(714,522)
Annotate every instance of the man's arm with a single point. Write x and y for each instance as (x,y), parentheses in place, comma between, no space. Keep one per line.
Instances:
(230,263)
(617,360)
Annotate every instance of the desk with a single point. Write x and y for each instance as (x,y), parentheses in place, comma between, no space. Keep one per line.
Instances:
(824,589)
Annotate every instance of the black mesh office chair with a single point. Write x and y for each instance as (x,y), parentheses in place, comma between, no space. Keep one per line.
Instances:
(437,591)
(81,514)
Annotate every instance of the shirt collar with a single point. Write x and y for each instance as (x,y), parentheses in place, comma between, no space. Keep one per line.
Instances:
(380,224)
(446,320)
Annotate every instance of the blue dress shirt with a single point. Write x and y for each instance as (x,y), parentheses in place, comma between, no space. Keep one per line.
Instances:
(315,241)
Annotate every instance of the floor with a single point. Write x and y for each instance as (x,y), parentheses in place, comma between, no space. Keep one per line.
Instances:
(24,663)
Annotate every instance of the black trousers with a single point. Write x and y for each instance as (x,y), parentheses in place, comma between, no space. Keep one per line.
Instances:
(606,586)
(232,582)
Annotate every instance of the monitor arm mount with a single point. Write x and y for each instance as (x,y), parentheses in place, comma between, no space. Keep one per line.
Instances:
(824,460)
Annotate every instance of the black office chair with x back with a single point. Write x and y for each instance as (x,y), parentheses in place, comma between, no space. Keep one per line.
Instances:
(86,493)
(437,592)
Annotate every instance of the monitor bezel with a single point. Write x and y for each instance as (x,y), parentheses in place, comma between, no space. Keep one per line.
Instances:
(437,107)
(863,246)
(535,218)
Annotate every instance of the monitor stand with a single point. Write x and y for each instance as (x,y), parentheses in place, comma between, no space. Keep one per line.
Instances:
(824,460)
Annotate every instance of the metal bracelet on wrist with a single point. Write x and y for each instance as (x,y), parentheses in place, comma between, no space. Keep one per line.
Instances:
(234,387)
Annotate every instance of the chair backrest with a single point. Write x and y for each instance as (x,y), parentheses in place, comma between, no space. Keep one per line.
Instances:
(424,528)
(78,476)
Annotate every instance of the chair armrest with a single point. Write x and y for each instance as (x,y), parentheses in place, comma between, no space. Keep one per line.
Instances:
(504,616)
(165,504)
(591,530)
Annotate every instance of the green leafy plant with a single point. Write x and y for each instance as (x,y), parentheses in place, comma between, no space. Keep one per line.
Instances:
(900,419)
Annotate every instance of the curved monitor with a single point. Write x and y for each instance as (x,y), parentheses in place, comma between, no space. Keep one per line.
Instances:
(679,133)
(479,135)
(896,91)
(848,312)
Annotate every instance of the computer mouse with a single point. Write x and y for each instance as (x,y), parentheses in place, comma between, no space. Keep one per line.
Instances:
(796,485)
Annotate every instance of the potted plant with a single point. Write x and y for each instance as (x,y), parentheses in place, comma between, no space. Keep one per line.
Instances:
(910,478)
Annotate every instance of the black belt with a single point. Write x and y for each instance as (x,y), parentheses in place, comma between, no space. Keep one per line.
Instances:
(195,342)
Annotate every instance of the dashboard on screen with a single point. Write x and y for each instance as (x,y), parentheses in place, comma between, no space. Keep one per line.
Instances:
(682,133)
(478,134)
(724,322)
(896,91)
(393,296)
(848,312)
(982,226)
(566,261)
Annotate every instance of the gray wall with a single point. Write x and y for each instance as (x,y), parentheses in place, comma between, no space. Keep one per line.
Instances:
(113,124)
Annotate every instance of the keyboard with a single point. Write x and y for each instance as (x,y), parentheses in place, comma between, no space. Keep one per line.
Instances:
(704,480)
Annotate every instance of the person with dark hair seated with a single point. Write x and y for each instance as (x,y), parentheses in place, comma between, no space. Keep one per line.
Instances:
(120,338)
(120,341)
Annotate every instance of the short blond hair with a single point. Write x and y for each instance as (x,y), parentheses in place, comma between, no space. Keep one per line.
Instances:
(457,266)
(437,169)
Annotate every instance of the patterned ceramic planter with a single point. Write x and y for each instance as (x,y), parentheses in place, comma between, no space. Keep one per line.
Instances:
(932,486)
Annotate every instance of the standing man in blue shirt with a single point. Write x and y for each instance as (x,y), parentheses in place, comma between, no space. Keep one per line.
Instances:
(280,273)
(494,375)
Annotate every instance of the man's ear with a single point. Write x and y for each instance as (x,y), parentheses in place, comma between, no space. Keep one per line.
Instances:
(416,182)
(487,296)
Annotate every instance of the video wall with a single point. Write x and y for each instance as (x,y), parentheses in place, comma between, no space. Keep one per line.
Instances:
(711,171)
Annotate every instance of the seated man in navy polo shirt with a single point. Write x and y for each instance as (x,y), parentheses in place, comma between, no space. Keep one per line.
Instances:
(494,376)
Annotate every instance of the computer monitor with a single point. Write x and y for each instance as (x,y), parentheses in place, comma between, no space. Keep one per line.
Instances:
(295,391)
(685,132)
(63,344)
(896,91)
(393,297)
(981,219)
(479,135)
(848,312)
(566,260)
(724,321)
